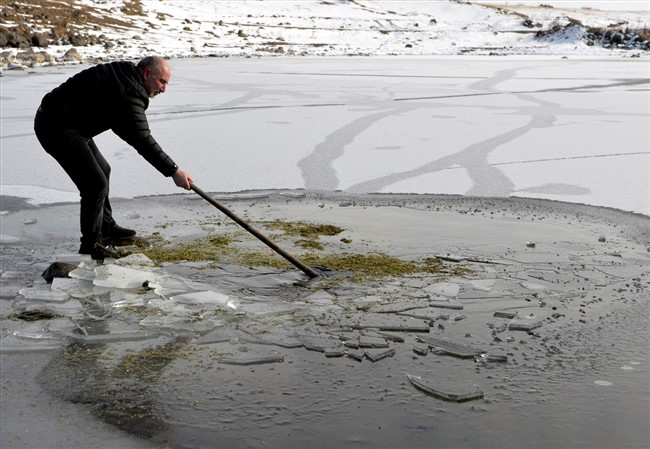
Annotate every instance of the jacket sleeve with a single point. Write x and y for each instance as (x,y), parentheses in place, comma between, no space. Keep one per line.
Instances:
(132,127)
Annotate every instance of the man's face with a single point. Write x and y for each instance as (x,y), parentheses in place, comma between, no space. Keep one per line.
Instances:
(156,82)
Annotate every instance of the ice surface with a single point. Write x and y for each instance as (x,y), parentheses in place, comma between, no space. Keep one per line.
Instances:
(496,137)
(443,289)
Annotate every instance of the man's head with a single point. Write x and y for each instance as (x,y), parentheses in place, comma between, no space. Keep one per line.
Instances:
(155,74)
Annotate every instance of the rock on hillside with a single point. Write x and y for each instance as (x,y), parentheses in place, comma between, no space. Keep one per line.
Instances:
(39,32)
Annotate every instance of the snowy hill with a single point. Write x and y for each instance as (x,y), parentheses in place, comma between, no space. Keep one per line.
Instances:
(49,31)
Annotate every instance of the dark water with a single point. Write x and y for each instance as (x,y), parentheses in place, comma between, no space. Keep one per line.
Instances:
(309,401)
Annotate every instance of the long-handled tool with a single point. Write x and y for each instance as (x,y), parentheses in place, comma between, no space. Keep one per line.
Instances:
(298,264)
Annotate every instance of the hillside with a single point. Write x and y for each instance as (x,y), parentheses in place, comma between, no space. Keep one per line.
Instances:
(54,31)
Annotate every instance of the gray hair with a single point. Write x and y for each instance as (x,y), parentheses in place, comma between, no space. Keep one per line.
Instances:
(151,62)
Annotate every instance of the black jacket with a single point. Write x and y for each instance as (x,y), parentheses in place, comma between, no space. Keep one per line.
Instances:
(108,96)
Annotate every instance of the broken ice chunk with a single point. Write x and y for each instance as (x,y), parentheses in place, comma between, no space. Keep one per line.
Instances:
(166,285)
(318,344)
(77,288)
(375,355)
(134,301)
(180,323)
(524,324)
(33,335)
(44,294)
(400,306)
(115,276)
(86,273)
(99,339)
(446,304)
(460,350)
(449,391)
(11,345)
(421,350)
(334,352)
(356,355)
(496,358)
(247,360)
(372,342)
(135,259)
(205,297)
(275,340)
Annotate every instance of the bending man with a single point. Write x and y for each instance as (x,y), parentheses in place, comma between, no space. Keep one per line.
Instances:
(108,96)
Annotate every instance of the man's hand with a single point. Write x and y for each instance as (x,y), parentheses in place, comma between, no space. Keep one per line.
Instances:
(182,179)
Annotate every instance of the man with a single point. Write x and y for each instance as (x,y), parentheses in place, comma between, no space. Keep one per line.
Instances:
(108,96)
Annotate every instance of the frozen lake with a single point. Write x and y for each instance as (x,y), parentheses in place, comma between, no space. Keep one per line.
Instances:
(572,130)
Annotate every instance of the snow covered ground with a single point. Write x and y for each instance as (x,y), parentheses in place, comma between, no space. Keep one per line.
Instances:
(101,30)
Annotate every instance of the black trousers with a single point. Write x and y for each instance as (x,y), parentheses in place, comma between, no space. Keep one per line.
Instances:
(85,165)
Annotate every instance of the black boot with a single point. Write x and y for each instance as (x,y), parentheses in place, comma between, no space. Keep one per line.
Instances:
(116,232)
(98,251)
